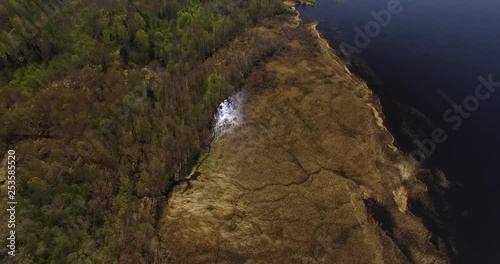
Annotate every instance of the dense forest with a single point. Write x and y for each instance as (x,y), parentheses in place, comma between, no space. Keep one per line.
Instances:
(107,104)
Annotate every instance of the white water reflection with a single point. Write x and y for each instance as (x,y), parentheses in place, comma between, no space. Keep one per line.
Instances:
(230,114)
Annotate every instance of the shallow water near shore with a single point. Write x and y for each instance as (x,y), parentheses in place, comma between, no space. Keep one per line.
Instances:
(429,49)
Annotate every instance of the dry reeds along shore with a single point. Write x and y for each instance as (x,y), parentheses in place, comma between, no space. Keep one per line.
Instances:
(311,175)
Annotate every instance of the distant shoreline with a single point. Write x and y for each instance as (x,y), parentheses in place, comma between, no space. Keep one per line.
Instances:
(302,2)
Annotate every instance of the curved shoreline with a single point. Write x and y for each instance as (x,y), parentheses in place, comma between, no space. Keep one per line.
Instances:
(376,107)
(371,99)
(310,165)
(453,231)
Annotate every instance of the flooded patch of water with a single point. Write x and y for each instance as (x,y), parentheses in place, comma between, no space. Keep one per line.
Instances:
(230,113)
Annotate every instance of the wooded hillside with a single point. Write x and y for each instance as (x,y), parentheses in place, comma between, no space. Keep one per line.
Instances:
(107,104)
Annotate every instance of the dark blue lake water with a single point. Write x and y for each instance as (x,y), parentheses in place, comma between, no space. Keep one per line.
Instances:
(428,57)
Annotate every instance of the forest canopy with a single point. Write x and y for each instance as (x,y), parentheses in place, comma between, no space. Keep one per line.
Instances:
(108,104)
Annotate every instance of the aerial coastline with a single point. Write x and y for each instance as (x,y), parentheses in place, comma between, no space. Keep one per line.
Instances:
(214,131)
(310,175)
